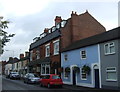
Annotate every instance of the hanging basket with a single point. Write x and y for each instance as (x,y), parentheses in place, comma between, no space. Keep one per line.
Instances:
(76,69)
(86,69)
(67,69)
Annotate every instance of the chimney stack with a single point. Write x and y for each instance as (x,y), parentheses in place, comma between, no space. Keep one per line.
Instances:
(46,30)
(74,13)
(57,20)
(21,56)
(26,54)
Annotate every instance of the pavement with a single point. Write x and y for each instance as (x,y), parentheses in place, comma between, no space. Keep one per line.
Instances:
(0,82)
(86,89)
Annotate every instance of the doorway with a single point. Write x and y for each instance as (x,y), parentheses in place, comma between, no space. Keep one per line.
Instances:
(74,77)
(96,73)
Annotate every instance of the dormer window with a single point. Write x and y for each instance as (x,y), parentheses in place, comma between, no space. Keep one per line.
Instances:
(53,29)
(58,26)
(63,23)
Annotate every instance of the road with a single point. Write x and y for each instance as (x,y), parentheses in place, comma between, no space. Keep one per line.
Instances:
(9,85)
(18,85)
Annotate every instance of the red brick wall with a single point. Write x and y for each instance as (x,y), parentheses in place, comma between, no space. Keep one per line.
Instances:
(80,27)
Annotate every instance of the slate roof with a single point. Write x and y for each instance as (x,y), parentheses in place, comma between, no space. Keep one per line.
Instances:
(45,39)
(100,38)
(40,61)
(12,60)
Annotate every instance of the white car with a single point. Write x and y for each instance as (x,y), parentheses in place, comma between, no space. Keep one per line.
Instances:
(14,75)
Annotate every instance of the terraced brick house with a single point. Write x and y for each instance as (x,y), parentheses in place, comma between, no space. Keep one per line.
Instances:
(45,57)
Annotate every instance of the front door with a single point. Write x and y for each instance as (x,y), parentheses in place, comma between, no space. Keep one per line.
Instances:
(74,78)
(96,78)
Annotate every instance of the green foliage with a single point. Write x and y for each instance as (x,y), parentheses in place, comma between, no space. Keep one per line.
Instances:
(86,69)
(67,69)
(4,36)
(76,69)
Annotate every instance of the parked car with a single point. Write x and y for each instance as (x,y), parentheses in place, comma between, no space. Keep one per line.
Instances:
(14,75)
(31,78)
(51,80)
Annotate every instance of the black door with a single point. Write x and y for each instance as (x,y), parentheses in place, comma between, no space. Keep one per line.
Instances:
(74,78)
(96,78)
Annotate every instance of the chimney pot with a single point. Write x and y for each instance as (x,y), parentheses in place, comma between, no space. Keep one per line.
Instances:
(21,56)
(58,19)
(46,30)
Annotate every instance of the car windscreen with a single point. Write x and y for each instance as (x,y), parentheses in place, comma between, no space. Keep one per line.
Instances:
(33,75)
(55,77)
(15,73)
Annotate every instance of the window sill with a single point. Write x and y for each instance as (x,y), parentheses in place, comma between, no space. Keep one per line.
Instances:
(83,79)
(106,54)
(83,58)
(110,80)
(56,54)
(47,56)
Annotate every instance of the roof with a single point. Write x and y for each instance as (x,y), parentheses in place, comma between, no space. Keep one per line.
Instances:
(45,39)
(12,60)
(103,37)
(40,61)
(24,58)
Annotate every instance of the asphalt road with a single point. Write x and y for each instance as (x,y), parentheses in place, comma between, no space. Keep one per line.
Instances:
(18,85)
(9,85)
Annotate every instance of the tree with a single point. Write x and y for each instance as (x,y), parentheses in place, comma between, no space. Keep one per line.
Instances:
(4,36)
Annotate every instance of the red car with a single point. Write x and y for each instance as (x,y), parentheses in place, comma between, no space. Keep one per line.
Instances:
(51,80)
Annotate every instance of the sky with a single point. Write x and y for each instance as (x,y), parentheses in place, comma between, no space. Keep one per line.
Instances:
(28,18)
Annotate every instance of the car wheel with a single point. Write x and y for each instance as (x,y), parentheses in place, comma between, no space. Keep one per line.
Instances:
(49,86)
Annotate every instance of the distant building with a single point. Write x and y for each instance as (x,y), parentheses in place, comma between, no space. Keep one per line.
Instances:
(10,65)
(3,67)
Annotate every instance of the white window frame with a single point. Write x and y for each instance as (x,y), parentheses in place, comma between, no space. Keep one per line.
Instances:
(46,65)
(82,54)
(47,46)
(65,77)
(58,25)
(81,73)
(63,23)
(31,55)
(108,71)
(38,54)
(55,42)
(109,46)
(65,57)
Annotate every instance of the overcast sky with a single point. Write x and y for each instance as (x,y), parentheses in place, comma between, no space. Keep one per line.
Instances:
(30,17)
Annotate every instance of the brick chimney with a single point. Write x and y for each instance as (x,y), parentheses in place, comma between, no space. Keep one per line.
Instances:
(57,20)
(26,54)
(21,56)
(46,30)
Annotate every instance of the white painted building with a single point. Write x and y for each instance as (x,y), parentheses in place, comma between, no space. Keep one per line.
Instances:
(8,68)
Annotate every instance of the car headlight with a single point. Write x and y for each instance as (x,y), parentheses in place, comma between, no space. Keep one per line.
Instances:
(32,79)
